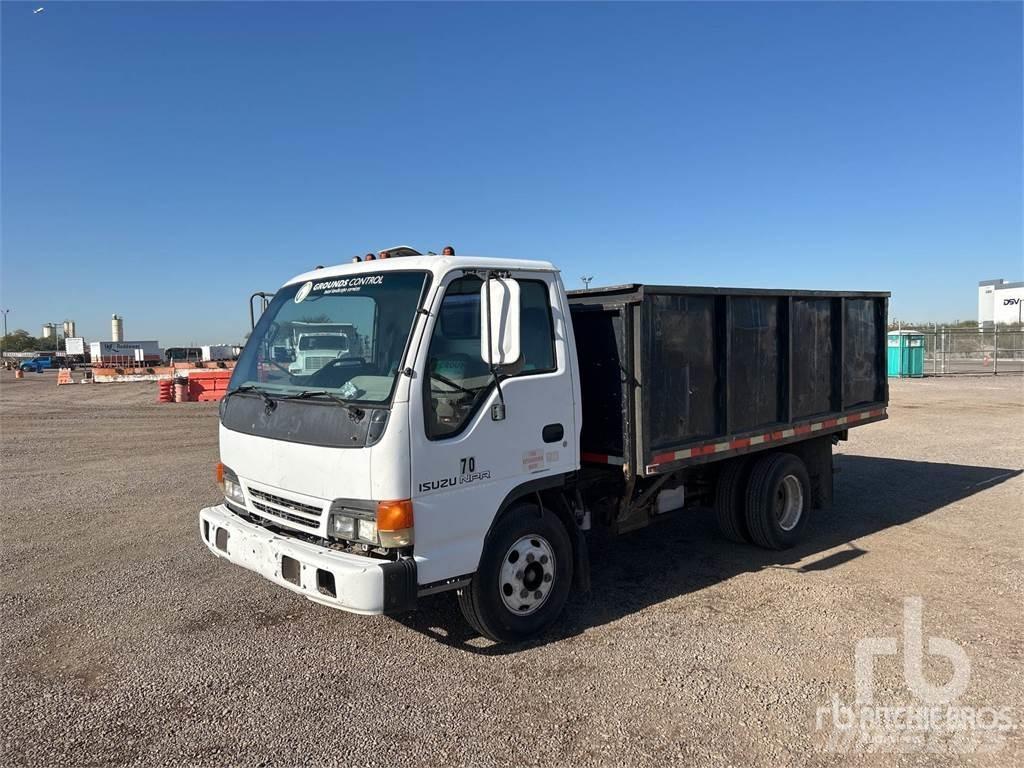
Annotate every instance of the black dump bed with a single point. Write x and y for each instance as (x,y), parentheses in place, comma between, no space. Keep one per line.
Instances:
(672,376)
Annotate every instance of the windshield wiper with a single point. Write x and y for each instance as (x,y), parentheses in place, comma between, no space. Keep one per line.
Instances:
(270,402)
(354,411)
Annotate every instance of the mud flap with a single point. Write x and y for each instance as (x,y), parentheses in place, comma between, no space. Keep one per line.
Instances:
(581,561)
(400,586)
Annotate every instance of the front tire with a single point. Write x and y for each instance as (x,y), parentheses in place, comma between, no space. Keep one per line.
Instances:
(524,577)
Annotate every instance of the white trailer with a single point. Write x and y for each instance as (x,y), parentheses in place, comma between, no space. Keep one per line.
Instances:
(123,351)
(216,352)
(490,420)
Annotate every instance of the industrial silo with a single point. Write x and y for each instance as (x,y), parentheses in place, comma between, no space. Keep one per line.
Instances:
(49,330)
(116,328)
(69,329)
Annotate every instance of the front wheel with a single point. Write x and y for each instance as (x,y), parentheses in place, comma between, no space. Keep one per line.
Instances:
(523,580)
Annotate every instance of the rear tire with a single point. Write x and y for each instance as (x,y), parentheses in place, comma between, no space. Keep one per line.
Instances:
(731,500)
(524,577)
(778,500)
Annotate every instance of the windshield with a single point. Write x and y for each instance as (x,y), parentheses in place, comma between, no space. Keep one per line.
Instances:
(342,335)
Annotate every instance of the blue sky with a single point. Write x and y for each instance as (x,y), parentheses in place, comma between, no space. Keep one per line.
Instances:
(165,160)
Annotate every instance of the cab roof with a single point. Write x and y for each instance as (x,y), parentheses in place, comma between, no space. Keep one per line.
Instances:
(438,265)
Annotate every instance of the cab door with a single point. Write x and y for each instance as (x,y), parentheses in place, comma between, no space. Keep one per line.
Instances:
(466,458)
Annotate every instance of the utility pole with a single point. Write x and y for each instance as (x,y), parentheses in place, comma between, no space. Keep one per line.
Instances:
(3,345)
(586,281)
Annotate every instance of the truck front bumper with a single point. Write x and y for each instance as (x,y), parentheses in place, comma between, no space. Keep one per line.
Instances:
(336,579)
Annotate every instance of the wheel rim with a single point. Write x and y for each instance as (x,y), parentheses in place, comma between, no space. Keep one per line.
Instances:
(527,575)
(789,502)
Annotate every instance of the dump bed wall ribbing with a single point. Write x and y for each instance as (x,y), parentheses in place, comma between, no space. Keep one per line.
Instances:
(674,375)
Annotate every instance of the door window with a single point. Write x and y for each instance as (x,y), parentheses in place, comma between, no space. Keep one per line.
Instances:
(458,380)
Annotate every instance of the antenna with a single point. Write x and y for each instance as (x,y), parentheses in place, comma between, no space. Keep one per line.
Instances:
(586,281)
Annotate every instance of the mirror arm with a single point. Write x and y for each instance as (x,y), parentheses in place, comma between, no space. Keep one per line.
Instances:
(490,348)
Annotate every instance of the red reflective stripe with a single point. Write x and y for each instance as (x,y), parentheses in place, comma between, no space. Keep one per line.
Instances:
(746,442)
(600,458)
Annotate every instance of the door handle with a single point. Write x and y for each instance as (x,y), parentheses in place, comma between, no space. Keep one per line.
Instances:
(552,433)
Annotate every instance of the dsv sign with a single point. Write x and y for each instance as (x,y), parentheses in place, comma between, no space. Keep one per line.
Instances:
(1010,302)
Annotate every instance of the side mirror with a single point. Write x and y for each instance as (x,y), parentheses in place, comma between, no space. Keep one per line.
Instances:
(499,321)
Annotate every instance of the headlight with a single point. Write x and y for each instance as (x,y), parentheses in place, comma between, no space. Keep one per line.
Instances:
(368,531)
(343,527)
(389,525)
(352,528)
(233,490)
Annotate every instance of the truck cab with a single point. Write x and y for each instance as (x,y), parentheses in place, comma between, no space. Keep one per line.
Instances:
(369,479)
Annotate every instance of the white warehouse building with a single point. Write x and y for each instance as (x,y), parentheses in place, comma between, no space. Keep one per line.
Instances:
(1000,302)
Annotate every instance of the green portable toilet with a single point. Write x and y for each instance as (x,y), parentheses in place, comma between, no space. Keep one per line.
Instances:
(906,353)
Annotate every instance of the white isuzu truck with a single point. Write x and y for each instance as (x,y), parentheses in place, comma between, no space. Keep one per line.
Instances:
(491,421)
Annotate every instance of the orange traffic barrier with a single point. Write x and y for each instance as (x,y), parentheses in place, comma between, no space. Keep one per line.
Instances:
(208,385)
(64,376)
(166,392)
(19,374)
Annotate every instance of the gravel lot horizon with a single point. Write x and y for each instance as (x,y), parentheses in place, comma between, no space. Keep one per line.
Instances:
(126,643)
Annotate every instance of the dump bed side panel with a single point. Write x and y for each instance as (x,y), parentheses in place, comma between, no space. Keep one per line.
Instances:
(730,372)
(814,345)
(677,353)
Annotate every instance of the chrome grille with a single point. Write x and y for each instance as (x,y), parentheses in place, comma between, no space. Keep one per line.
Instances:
(317,362)
(280,514)
(296,512)
(287,504)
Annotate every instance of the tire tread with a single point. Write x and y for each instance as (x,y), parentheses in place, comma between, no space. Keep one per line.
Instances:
(759,513)
(730,498)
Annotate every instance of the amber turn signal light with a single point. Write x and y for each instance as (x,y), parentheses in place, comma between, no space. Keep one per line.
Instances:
(394,515)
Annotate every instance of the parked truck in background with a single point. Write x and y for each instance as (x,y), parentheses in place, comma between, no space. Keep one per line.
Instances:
(174,355)
(494,421)
(217,352)
(314,344)
(39,363)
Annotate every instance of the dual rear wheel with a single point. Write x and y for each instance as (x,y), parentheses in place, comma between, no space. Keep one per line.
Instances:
(764,500)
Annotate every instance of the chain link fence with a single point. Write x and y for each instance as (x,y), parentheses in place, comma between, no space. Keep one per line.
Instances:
(952,351)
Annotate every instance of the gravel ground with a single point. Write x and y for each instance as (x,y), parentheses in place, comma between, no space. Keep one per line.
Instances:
(125,642)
